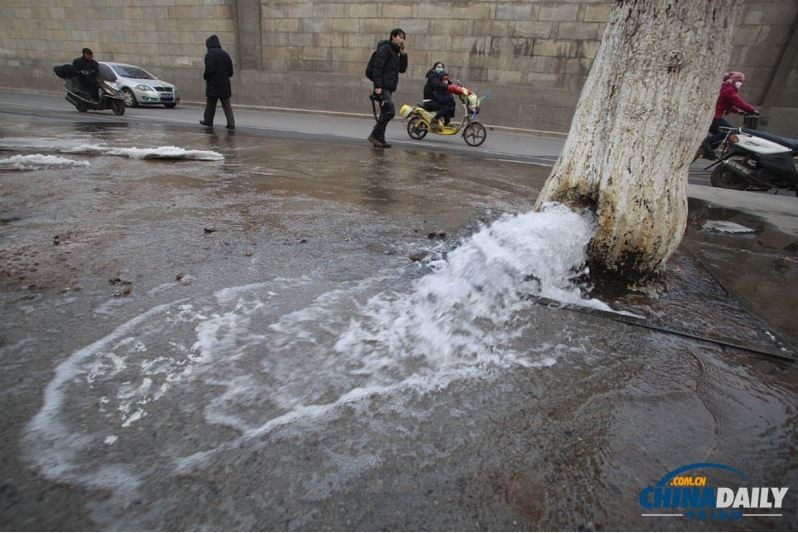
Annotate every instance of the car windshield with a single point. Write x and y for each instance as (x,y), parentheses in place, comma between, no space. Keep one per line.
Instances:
(133,72)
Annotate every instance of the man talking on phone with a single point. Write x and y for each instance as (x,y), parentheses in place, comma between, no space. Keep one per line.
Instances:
(389,60)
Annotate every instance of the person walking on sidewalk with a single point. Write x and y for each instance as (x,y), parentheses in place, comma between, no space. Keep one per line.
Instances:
(218,71)
(389,61)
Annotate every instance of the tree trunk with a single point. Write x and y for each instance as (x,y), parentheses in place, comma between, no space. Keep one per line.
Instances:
(644,110)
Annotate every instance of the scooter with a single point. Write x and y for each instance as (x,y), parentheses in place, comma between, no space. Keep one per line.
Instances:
(109,98)
(419,120)
(752,160)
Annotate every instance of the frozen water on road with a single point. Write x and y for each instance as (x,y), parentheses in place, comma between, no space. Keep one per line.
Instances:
(73,146)
(38,161)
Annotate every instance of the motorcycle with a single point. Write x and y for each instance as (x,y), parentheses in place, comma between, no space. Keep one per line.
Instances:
(419,121)
(752,160)
(83,100)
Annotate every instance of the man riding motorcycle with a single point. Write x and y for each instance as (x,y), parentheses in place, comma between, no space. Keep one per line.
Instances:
(89,70)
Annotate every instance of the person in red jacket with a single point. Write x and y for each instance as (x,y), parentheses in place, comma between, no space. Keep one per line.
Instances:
(728,101)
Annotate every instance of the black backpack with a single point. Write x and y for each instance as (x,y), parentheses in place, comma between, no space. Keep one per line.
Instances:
(370,67)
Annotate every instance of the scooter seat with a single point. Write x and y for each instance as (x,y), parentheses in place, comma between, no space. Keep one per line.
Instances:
(792,144)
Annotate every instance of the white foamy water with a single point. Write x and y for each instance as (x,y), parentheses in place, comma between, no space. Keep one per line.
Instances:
(464,307)
(71,146)
(38,162)
(290,353)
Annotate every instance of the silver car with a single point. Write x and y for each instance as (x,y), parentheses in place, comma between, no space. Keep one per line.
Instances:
(139,86)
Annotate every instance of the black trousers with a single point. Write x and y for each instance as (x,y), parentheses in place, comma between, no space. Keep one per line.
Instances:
(210,111)
(89,86)
(445,111)
(387,112)
(715,135)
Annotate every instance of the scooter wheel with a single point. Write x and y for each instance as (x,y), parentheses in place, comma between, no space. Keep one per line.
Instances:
(417,128)
(118,107)
(475,134)
(726,178)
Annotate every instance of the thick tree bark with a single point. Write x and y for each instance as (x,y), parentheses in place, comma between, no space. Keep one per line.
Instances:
(645,107)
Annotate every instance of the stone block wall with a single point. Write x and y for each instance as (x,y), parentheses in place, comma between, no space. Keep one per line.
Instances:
(166,37)
(530,56)
(766,50)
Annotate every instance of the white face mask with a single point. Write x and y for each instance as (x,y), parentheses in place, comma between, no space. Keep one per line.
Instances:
(738,84)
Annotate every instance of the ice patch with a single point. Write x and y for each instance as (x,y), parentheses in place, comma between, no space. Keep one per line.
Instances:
(134,417)
(67,146)
(161,152)
(39,162)
(725,226)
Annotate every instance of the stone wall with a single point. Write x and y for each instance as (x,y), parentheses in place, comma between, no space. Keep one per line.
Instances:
(164,36)
(532,57)
(766,50)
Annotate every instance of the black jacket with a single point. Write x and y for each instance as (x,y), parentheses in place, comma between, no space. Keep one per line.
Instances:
(218,70)
(81,63)
(89,70)
(388,63)
(437,89)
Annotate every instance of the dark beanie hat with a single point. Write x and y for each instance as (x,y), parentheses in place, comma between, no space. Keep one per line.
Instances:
(88,51)
(397,31)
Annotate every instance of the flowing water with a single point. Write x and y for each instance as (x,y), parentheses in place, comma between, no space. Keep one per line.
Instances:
(215,331)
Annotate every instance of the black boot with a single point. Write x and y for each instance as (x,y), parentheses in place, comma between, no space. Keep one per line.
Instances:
(378,141)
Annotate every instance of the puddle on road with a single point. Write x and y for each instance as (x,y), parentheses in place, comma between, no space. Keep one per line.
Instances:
(759,268)
(303,372)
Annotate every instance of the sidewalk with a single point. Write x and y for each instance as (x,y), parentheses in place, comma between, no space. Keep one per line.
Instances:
(779,211)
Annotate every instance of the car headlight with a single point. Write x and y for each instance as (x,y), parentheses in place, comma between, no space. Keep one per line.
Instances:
(145,88)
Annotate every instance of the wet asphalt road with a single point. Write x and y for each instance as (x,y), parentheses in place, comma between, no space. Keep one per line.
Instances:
(501,145)
(220,345)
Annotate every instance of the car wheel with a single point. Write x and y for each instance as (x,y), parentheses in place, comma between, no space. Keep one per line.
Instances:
(170,106)
(130,98)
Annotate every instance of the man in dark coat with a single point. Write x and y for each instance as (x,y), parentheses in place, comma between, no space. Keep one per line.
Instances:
(389,60)
(218,71)
(89,70)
